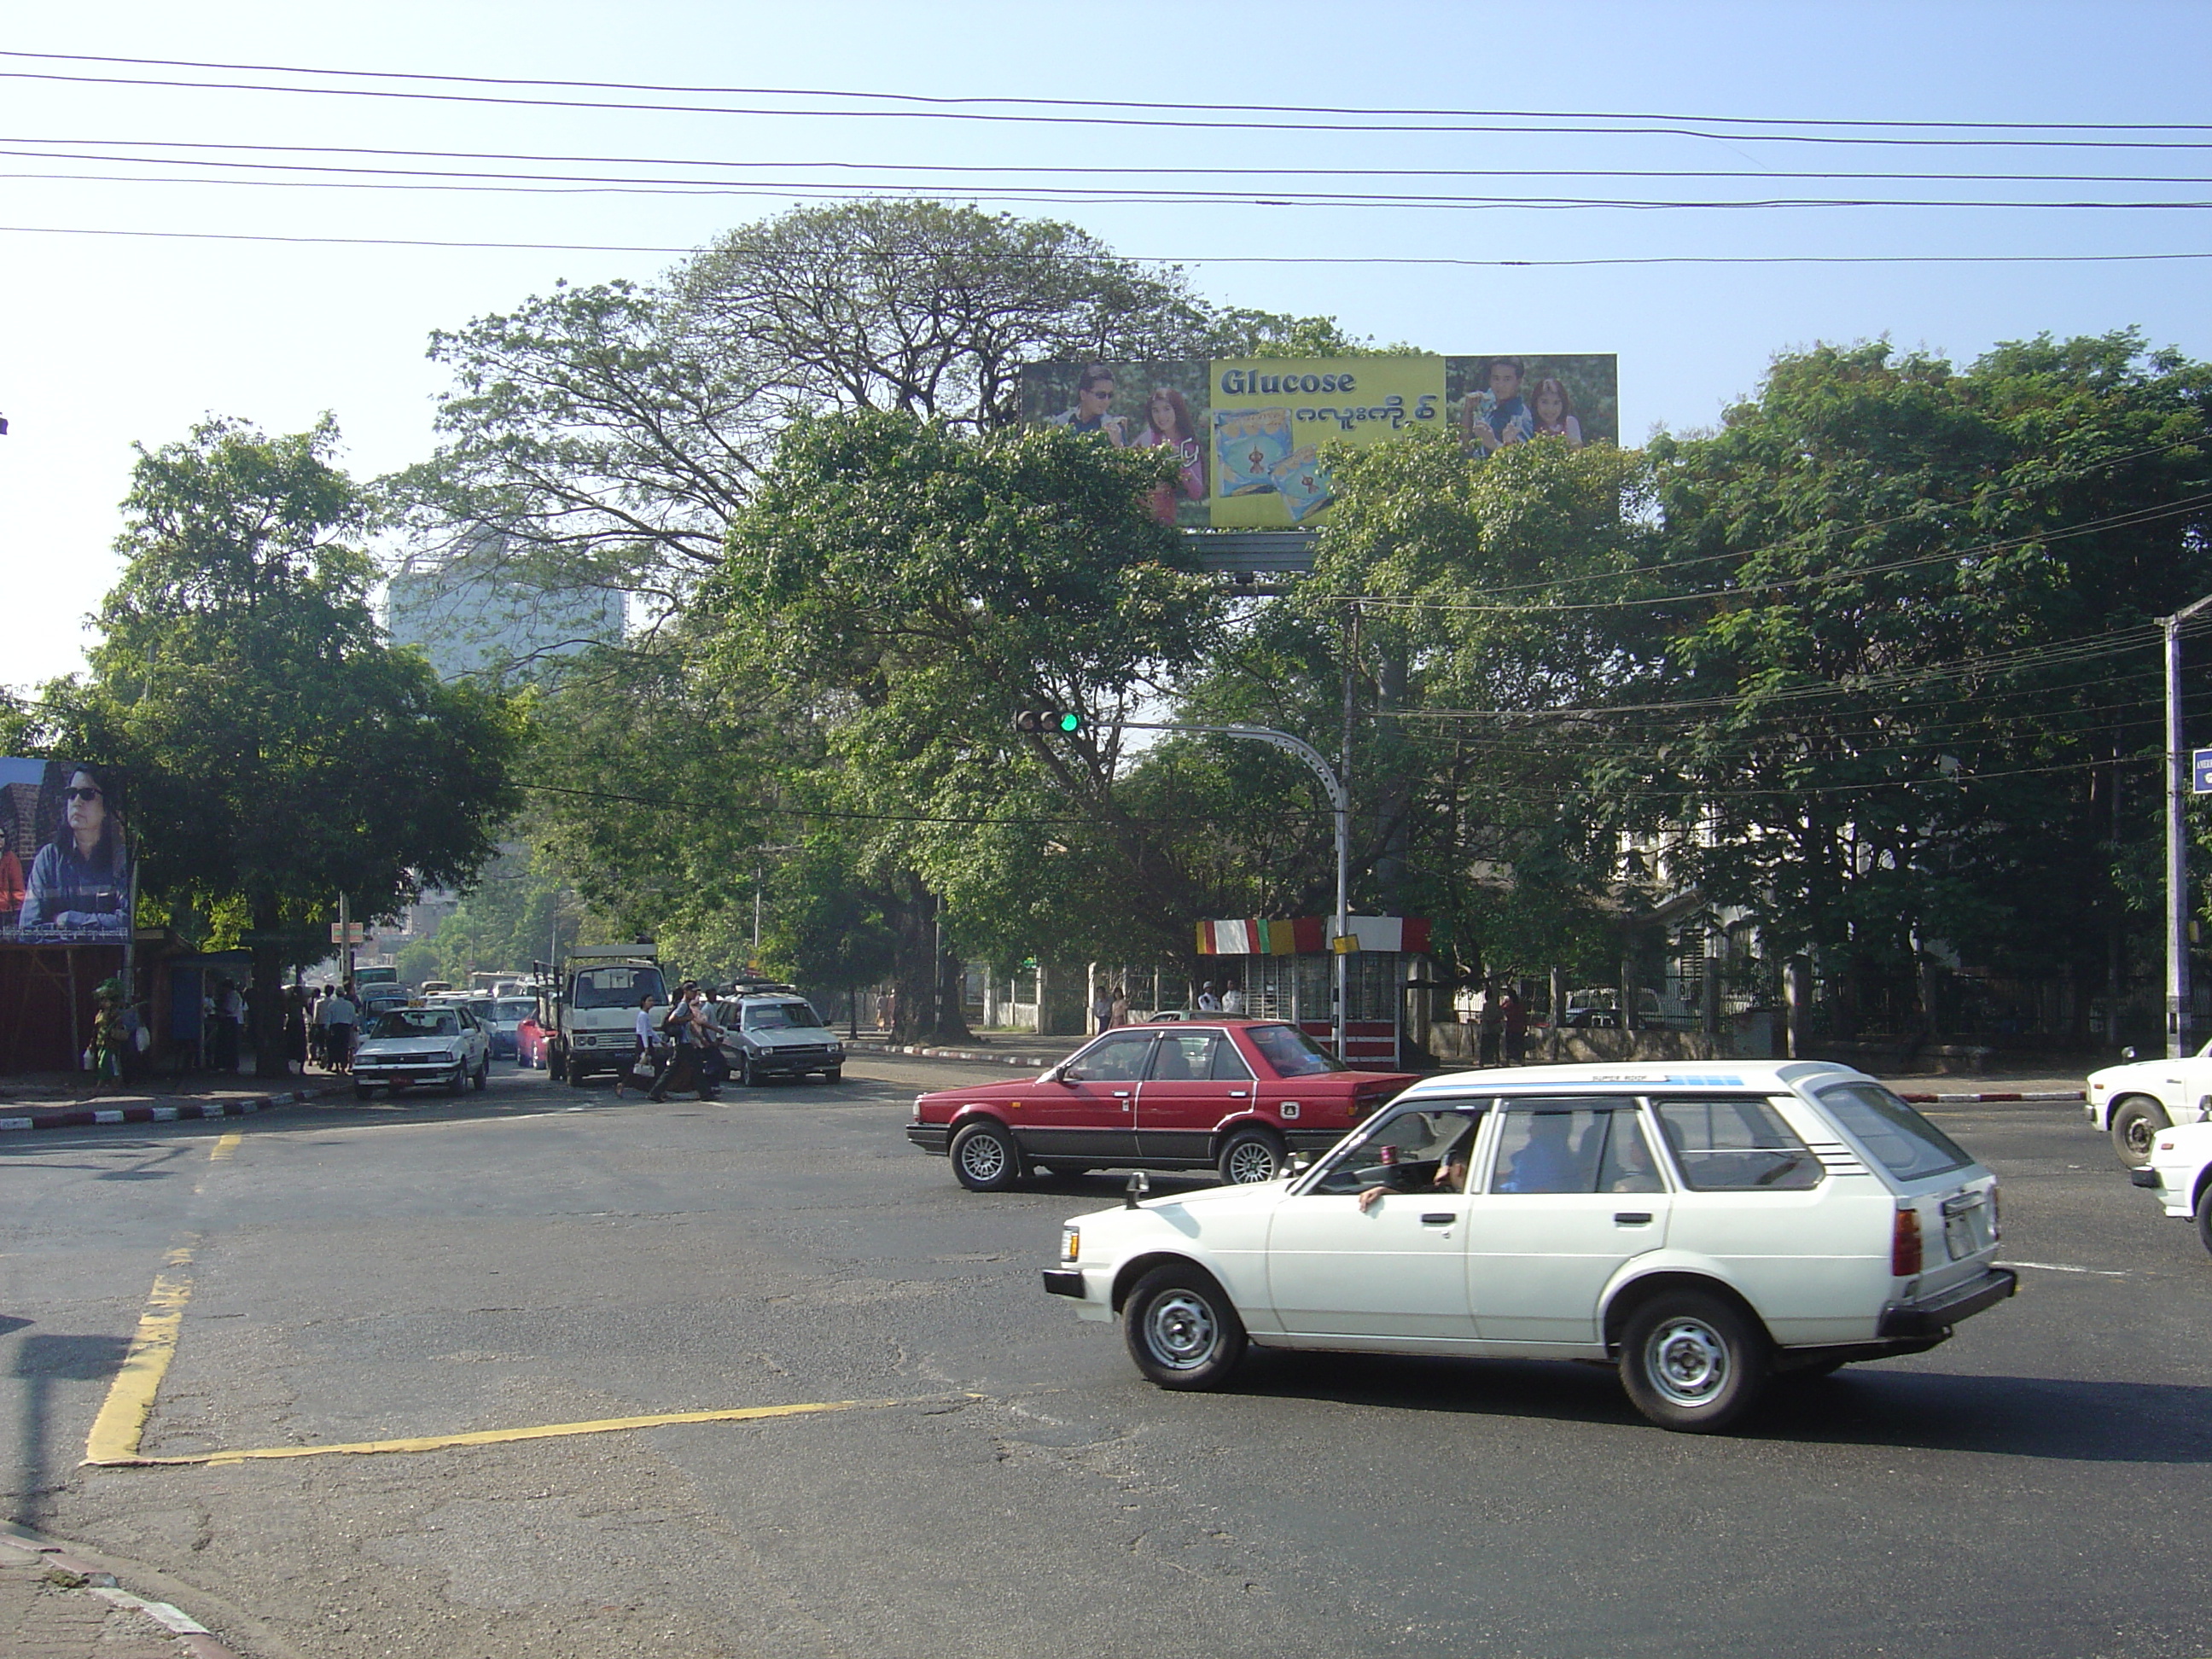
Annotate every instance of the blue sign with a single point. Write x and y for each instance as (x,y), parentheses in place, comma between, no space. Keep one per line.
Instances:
(2200,772)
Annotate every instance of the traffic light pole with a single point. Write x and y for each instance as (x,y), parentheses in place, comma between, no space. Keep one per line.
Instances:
(2179,1001)
(1339,800)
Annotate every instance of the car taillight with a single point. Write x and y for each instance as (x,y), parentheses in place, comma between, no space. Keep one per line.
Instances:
(1905,1245)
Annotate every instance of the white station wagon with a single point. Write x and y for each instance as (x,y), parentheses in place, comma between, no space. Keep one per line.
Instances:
(1705,1229)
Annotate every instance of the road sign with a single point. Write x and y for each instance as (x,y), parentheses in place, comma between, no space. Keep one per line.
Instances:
(2200,772)
(349,932)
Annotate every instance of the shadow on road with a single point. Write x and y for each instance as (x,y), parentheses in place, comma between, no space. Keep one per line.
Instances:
(41,1362)
(2040,1417)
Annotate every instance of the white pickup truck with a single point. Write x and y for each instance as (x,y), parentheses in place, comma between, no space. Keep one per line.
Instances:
(595,1008)
(2180,1173)
(2134,1101)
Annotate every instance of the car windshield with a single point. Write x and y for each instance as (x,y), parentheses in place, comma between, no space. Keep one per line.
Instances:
(1908,1146)
(780,1016)
(509,1011)
(1292,1052)
(480,1006)
(616,988)
(416,1023)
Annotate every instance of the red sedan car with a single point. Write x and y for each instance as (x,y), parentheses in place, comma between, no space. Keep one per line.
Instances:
(1237,1096)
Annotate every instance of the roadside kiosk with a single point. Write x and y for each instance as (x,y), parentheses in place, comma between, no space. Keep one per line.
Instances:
(1286,971)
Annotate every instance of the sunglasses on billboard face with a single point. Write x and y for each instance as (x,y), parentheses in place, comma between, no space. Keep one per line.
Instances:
(81,794)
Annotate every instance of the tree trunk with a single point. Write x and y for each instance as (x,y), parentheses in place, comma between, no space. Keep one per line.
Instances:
(951,1022)
(265,1009)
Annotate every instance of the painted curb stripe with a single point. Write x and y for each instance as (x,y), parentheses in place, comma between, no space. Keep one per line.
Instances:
(122,1420)
(503,1437)
(93,1117)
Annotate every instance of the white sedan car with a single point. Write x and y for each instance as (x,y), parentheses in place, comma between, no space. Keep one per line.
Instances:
(1702,1229)
(2135,1100)
(2180,1173)
(442,1044)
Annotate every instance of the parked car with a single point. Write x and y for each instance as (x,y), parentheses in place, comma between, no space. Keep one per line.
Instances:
(530,1043)
(1702,1229)
(502,1018)
(2179,1174)
(777,1035)
(1598,1007)
(2132,1101)
(407,1045)
(1234,1096)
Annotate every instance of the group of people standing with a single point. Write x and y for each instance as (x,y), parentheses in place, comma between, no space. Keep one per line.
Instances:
(320,1027)
(1503,1027)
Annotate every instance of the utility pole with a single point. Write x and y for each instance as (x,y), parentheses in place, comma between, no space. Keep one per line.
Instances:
(2178,998)
(1339,800)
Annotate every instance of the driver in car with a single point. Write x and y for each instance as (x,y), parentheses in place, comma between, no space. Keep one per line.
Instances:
(1448,1139)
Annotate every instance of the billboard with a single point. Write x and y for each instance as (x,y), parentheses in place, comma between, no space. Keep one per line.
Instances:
(1251,431)
(64,861)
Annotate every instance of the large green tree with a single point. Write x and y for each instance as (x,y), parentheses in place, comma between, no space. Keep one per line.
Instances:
(1918,694)
(280,752)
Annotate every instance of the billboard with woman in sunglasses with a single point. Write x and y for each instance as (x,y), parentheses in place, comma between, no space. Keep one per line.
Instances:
(64,862)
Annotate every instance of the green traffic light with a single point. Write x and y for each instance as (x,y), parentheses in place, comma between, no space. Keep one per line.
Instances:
(1071,723)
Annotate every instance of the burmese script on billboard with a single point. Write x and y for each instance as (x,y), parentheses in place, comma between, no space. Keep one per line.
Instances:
(1251,435)
(64,860)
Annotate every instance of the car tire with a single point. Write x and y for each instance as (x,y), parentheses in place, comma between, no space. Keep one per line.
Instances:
(1182,1329)
(1693,1362)
(2204,1217)
(1249,1156)
(985,1158)
(2136,1123)
(483,1075)
(578,1073)
(556,1064)
(363,1090)
(460,1080)
(743,1074)
(833,1074)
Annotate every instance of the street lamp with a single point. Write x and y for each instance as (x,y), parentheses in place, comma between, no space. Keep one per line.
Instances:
(1339,800)
(2178,781)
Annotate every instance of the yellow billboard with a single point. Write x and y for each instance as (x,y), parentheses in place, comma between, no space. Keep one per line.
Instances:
(1271,418)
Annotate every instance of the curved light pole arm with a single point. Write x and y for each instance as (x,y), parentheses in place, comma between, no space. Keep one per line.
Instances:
(1339,800)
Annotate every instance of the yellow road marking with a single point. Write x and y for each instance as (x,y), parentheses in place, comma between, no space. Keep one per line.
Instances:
(122,1420)
(221,1151)
(129,1457)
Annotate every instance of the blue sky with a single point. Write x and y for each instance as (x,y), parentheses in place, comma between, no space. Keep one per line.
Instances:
(108,340)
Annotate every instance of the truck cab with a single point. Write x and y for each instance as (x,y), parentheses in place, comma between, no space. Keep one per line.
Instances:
(591,1013)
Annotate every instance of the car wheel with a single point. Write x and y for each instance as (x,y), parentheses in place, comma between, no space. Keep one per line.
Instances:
(985,1158)
(460,1080)
(556,1064)
(1691,1362)
(363,1090)
(2135,1121)
(483,1075)
(745,1078)
(833,1074)
(1250,1156)
(2204,1217)
(578,1073)
(1182,1329)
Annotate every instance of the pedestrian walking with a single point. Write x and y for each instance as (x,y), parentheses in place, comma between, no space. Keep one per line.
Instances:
(108,1037)
(229,1012)
(1207,1002)
(319,1028)
(1492,1028)
(1102,1011)
(296,1028)
(683,1067)
(339,1027)
(644,1030)
(1514,1014)
(1232,999)
(1117,1006)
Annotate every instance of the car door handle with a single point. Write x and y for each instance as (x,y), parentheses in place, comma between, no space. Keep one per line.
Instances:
(1631,1218)
(1121,1094)
(1238,1094)
(1438,1218)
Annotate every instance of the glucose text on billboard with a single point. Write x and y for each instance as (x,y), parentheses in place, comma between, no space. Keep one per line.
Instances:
(64,860)
(1250,432)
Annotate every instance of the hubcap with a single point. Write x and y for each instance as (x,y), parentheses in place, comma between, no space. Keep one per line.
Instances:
(1180,1331)
(1251,1161)
(1689,1362)
(2137,1132)
(982,1157)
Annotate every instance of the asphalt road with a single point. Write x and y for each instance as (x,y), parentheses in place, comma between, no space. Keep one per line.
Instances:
(540,1255)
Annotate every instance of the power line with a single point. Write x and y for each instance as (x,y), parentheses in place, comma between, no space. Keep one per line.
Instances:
(1192,259)
(937,107)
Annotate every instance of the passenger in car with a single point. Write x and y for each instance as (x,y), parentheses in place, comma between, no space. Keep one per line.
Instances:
(1547,1163)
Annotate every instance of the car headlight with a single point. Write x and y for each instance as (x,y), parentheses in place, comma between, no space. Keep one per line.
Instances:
(839,1049)
(1070,1242)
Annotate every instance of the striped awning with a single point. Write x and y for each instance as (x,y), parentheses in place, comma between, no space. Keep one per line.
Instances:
(1252,936)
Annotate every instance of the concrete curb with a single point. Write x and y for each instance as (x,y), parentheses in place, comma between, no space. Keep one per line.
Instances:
(1026,1062)
(197,1638)
(1953,1100)
(87,1117)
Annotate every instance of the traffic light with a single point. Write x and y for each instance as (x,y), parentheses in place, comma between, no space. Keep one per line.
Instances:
(1066,721)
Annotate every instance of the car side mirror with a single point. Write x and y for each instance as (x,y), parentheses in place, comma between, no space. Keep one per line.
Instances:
(1139,1184)
(1063,1072)
(2127,1054)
